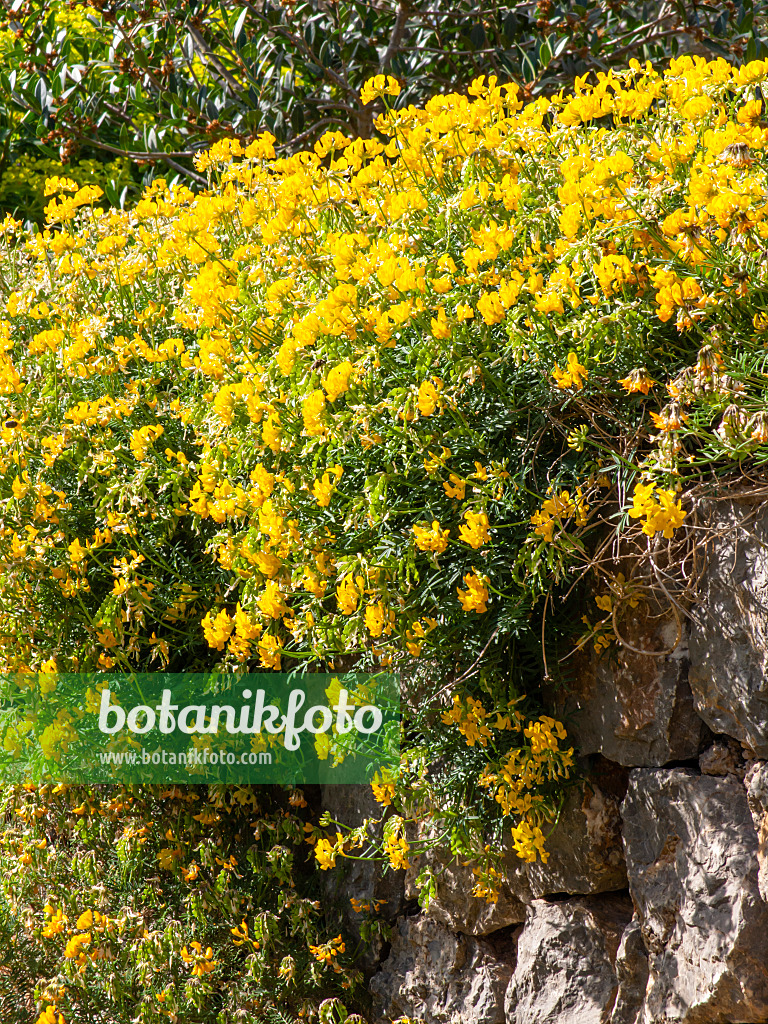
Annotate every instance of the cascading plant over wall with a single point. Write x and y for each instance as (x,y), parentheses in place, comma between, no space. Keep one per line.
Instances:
(407,400)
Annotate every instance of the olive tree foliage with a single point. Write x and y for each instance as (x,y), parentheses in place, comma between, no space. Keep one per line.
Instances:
(153,81)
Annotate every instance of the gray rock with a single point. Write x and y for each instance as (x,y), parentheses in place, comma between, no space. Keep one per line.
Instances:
(729,644)
(438,977)
(453,904)
(632,976)
(585,856)
(722,758)
(565,961)
(585,849)
(756,782)
(692,863)
(635,709)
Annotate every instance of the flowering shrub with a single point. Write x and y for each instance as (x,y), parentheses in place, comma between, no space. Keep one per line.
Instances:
(392,402)
(152,905)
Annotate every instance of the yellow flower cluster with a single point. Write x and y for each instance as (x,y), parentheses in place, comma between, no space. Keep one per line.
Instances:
(326,952)
(519,777)
(557,510)
(469,717)
(658,507)
(228,413)
(379,85)
(573,376)
(200,961)
(396,846)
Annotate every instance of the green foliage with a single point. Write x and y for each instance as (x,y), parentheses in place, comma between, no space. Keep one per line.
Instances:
(22,184)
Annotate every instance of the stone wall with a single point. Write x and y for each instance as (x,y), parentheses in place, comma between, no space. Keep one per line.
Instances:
(653,907)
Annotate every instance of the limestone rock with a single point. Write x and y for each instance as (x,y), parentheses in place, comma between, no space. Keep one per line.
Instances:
(439,977)
(692,863)
(756,782)
(724,757)
(585,856)
(729,644)
(635,709)
(585,849)
(565,961)
(453,904)
(632,976)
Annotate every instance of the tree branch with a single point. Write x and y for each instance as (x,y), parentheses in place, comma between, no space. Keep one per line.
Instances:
(210,57)
(152,155)
(398,32)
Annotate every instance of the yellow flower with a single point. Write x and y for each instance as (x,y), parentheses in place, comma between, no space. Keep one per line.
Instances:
(323,489)
(337,381)
(142,439)
(469,719)
(201,961)
(217,630)
(56,924)
(325,853)
(75,945)
(378,620)
(271,601)
(269,651)
(441,329)
(383,790)
(272,432)
(190,874)
(428,398)
(637,381)
(573,376)
(475,597)
(168,856)
(434,539)
(50,1015)
(379,85)
(556,509)
(240,935)
(312,409)
(475,531)
(396,847)
(328,950)
(88,919)
(347,594)
(528,842)
(455,487)
(669,419)
(662,513)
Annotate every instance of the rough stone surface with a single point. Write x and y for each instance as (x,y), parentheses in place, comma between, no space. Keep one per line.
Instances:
(632,976)
(453,904)
(724,757)
(439,977)
(729,643)
(693,874)
(585,850)
(585,856)
(635,709)
(565,961)
(756,782)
